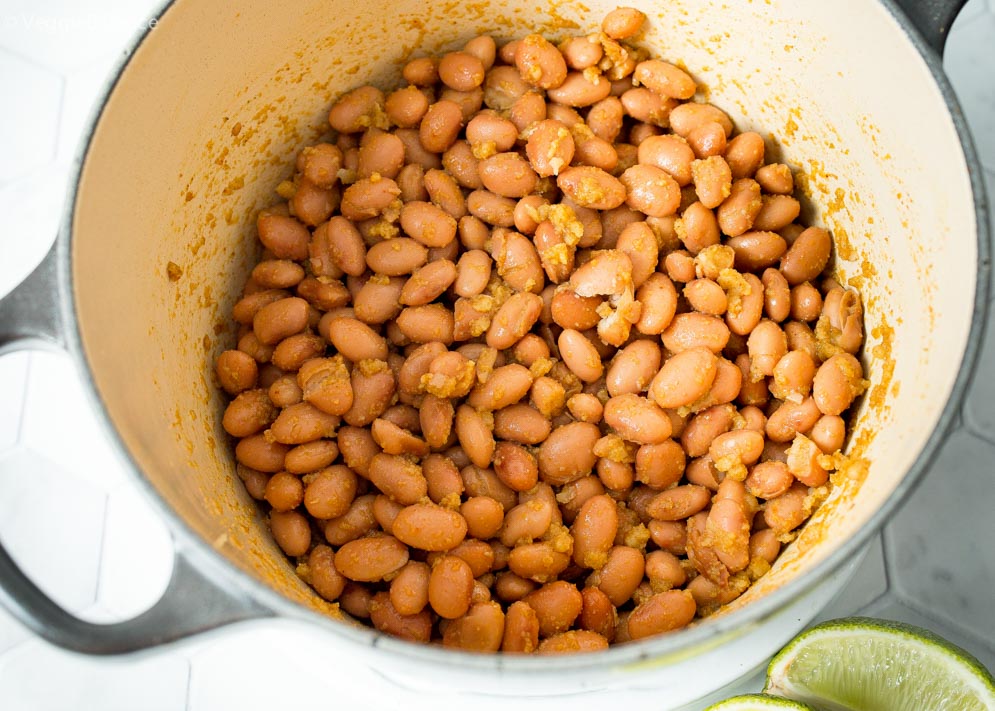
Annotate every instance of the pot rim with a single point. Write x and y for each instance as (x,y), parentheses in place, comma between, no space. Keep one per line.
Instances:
(676,645)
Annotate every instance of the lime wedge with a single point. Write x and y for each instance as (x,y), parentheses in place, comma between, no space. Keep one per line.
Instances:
(859,664)
(758,702)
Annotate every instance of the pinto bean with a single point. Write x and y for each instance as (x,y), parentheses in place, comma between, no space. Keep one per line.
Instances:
(440,126)
(652,109)
(481,629)
(428,224)
(637,419)
(684,378)
(355,523)
(777,295)
(330,492)
(513,320)
(792,418)
(581,52)
(591,187)
(757,250)
(537,561)
(556,605)
(571,311)
(550,147)
(829,432)
(508,175)
(540,63)
(580,355)
(370,559)
(623,22)
(409,590)
(400,478)
(665,79)
(693,330)
(406,107)
(396,257)
(745,154)
(786,512)
(621,574)
(807,256)
(450,587)
(651,190)
(579,90)
(837,383)
(843,314)
(521,630)
(659,304)
(679,503)
(594,531)
(660,466)
(567,454)
(522,424)
(633,369)
(356,341)
(712,180)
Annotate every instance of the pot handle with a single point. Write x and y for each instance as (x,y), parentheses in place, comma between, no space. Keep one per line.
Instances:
(191,604)
(932,18)
(31,315)
(35,314)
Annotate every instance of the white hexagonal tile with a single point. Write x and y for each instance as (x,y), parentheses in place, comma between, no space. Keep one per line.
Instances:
(12,632)
(869,584)
(40,677)
(971,10)
(970,62)
(64,33)
(82,85)
(34,121)
(13,382)
(52,524)
(300,668)
(136,560)
(979,407)
(938,547)
(57,410)
(32,209)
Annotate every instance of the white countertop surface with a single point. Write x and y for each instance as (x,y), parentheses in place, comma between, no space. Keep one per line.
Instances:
(71,517)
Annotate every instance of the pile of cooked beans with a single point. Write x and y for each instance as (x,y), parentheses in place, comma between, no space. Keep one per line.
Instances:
(538,357)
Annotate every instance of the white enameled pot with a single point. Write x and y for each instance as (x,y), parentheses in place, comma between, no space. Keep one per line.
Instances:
(197,129)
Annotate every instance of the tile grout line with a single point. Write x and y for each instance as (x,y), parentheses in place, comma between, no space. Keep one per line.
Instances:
(970,431)
(24,398)
(885,534)
(63,85)
(103,553)
(867,610)
(188,696)
(60,122)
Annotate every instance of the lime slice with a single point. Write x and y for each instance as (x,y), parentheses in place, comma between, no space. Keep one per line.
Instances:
(859,664)
(758,702)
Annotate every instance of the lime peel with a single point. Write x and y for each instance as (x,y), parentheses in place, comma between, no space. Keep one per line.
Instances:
(759,702)
(861,664)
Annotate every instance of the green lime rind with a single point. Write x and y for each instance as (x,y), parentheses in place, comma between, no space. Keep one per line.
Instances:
(862,664)
(759,702)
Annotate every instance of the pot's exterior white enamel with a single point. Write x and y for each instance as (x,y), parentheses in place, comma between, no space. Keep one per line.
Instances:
(201,126)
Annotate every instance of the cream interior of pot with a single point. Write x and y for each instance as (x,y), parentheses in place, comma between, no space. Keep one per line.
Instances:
(205,121)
